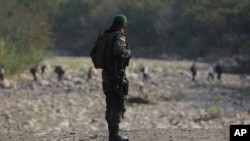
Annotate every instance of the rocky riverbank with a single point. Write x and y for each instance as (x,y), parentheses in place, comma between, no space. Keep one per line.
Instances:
(173,100)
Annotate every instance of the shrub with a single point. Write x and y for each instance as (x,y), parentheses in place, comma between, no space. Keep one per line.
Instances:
(214,111)
(16,61)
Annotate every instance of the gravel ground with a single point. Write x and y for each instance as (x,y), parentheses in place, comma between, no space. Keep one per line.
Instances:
(74,108)
(133,135)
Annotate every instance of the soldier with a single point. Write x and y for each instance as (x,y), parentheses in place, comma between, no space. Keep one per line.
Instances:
(115,84)
(43,70)
(1,72)
(33,72)
(218,70)
(59,71)
(193,70)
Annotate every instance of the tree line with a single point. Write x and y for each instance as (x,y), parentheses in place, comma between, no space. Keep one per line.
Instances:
(191,28)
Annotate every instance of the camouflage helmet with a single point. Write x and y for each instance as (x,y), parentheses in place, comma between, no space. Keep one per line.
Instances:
(120,18)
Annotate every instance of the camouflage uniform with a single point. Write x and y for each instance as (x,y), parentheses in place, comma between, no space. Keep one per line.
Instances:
(116,59)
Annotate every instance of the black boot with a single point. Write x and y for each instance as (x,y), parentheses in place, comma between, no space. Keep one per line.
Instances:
(117,138)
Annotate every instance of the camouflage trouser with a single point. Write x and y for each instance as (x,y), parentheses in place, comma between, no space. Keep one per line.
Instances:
(115,107)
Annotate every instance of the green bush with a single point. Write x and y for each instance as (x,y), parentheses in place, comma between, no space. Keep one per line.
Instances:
(16,61)
(214,111)
(25,33)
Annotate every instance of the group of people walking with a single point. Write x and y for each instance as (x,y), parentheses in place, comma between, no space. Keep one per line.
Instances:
(35,70)
(211,70)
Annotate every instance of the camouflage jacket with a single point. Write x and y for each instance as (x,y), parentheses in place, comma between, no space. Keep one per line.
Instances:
(117,53)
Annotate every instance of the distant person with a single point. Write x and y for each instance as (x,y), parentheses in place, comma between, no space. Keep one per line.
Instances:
(218,70)
(193,70)
(90,73)
(60,72)
(1,72)
(43,70)
(144,71)
(33,72)
(210,73)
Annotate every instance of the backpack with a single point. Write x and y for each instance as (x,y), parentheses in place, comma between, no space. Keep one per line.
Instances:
(97,53)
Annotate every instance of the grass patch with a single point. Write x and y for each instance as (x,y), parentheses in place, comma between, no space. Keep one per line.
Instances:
(69,62)
(152,101)
(16,61)
(135,67)
(214,111)
(177,95)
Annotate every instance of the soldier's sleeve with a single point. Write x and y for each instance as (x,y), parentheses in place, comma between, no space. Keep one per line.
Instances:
(120,48)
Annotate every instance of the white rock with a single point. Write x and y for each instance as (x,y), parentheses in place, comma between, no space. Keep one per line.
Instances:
(64,125)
